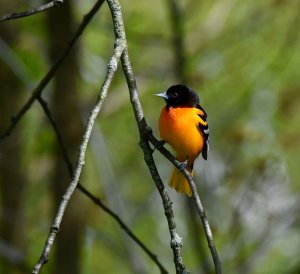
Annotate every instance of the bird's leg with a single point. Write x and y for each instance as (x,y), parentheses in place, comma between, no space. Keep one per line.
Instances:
(182,165)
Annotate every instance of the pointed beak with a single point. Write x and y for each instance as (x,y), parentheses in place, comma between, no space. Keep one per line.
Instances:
(162,95)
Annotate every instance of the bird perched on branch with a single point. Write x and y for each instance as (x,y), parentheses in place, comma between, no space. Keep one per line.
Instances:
(183,125)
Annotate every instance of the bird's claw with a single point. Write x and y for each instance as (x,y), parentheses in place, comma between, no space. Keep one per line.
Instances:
(182,165)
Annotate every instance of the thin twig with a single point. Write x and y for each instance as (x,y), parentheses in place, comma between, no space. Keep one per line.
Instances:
(49,75)
(62,147)
(93,198)
(98,202)
(176,241)
(15,15)
(111,69)
(199,206)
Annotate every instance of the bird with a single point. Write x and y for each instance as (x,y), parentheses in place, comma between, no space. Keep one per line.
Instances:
(183,125)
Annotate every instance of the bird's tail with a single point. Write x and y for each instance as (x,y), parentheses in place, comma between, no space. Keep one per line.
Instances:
(179,182)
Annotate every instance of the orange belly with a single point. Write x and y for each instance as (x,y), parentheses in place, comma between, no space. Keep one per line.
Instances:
(179,128)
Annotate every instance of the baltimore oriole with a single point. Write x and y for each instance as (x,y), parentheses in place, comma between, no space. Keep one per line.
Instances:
(183,125)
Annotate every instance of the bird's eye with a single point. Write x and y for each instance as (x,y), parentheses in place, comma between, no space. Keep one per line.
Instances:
(175,94)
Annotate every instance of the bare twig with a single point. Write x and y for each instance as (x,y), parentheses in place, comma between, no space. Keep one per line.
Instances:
(199,206)
(41,8)
(204,220)
(46,79)
(93,198)
(111,69)
(98,202)
(176,241)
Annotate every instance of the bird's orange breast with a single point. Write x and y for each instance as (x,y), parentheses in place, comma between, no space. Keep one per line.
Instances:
(179,128)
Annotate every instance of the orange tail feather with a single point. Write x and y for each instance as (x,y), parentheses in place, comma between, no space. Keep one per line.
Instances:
(179,182)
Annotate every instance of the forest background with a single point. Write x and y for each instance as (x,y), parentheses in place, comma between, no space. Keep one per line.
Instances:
(243,59)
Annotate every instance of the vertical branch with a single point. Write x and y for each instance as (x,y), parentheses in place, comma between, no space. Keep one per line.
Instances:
(176,241)
(111,69)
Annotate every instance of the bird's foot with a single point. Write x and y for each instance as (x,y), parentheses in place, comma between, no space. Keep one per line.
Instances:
(182,165)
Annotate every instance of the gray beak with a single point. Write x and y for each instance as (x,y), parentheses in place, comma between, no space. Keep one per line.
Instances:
(162,95)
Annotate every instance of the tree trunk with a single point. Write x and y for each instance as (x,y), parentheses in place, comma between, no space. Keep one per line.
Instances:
(65,106)
(12,179)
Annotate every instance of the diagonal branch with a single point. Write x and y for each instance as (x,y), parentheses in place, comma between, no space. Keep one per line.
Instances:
(111,69)
(93,198)
(199,206)
(176,241)
(15,15)
(62,147)
(49,75)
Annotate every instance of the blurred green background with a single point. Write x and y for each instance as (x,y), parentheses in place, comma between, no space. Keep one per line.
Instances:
(243,58)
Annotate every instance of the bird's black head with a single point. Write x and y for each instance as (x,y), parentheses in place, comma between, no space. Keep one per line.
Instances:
(180,96)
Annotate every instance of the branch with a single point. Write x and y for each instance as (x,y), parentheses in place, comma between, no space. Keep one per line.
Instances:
(200,209)
(111,69)
(176,241)
(96,200)
(49,75)
(41,8)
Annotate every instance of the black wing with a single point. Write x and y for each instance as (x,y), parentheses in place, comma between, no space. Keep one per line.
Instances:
(205,132)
